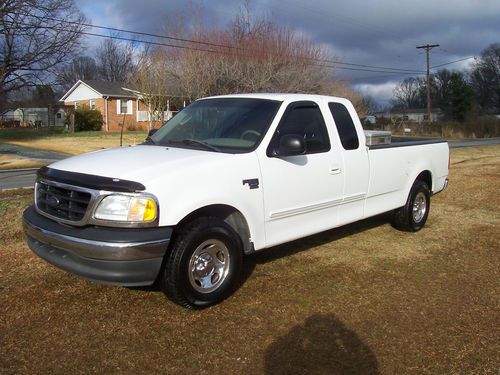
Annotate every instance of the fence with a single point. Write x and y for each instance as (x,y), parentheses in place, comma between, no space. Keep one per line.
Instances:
(146,116)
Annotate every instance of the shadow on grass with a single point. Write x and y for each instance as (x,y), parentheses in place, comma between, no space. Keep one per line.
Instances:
(321,345)
(20,134)
(306,243)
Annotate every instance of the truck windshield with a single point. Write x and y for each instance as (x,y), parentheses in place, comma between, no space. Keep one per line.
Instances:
(224,124)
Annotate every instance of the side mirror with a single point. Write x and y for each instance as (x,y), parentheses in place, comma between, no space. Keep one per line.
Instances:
(151,132)
(291,145)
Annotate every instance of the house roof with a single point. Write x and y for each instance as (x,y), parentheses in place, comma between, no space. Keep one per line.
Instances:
(109,88)
(103,88)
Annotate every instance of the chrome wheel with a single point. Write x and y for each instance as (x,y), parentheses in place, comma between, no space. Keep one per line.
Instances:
(209,266)
(419,207)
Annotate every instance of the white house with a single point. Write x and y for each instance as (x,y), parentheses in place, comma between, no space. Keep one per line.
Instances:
(34,117)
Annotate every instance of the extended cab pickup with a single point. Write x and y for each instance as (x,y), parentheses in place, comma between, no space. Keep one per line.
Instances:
(227,176)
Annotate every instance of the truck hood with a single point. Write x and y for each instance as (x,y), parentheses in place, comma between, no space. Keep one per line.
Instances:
(140,163)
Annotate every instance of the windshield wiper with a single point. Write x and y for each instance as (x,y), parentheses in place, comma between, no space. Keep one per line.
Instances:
(194,142)
(149,141)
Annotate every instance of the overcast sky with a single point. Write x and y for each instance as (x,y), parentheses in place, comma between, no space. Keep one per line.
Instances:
(378,32)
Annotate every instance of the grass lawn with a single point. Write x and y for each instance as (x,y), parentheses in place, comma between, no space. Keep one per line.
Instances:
(361,299)
(76,143)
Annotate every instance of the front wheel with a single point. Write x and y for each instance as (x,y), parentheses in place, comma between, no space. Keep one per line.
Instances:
(204,263)
(413,215)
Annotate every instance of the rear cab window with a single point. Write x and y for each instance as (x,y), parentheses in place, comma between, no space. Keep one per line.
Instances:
(345,126)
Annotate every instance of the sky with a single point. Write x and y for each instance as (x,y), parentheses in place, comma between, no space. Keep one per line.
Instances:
(381,33)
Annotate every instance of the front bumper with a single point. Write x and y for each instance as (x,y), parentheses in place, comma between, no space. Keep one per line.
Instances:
(115,256)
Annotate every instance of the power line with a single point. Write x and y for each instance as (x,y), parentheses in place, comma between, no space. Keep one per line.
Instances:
(370,77)
(184,40)
(453,62)
(238,54)
(241,54)
(128,31)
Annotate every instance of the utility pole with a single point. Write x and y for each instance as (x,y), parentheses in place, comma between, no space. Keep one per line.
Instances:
(427,48)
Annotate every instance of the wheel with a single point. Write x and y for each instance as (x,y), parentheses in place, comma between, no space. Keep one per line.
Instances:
(413,215)
(203,263)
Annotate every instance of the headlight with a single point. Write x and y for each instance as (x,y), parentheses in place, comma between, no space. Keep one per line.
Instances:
(129,208)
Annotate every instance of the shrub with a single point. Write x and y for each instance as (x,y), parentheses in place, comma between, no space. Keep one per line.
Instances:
(87,119)
(6,124)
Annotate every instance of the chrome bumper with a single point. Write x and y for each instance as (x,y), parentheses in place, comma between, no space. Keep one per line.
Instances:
(115,256)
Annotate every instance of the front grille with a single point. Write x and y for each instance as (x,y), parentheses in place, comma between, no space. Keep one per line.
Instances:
(62,203)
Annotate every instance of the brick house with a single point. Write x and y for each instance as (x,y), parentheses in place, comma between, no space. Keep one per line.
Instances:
(118,105)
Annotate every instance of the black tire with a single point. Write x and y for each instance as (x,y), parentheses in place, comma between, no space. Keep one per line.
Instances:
(406,218)
(203,263)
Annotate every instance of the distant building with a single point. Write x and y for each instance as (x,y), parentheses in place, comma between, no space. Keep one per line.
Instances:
(119,106)
(370,120)
(413,115)
(34,117)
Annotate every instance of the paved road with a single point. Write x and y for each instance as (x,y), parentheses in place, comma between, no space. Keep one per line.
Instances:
(25,178)
(474,142)
(31,153)
(19,178)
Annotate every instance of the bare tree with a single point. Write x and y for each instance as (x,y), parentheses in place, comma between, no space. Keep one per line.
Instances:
(371,104)
(251,55)
(115,60)
(81,67)
(408,93)
(154,84)
(36,36)
(344,89)
(485,78)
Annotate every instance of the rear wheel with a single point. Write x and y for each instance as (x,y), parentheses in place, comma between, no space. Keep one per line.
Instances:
(413,215)
(204,263)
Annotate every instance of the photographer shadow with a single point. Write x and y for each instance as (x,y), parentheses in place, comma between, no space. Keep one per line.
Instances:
(320,345)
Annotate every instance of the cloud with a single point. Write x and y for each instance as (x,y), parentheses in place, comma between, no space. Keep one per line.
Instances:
(381,92)
(380,33)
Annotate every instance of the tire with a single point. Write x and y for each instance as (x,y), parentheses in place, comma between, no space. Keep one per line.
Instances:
(203,264)
(413,215)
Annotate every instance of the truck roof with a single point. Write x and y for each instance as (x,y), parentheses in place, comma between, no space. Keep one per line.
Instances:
(280,96)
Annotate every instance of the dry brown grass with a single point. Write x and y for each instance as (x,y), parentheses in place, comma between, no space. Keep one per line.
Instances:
(15,162)
(362,299)
(77,144)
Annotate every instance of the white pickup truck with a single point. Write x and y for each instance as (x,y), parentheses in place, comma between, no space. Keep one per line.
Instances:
(227,176)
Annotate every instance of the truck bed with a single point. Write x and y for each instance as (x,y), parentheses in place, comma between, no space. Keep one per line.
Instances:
(407,141)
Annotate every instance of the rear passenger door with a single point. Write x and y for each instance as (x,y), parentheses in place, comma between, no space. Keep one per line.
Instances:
(355,160)
(302,192)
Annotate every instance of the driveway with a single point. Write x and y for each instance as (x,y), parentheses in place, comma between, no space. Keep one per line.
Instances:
(31,153)
(20,178)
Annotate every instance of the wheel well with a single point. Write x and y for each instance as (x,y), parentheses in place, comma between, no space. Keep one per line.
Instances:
(426,177)
(230,216)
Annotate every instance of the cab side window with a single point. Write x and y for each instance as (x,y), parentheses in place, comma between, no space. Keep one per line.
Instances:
(305,120)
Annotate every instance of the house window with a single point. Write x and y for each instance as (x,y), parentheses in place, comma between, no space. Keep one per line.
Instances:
(77,105)
(124,107)
(405,118)
(58,115)
(92,104)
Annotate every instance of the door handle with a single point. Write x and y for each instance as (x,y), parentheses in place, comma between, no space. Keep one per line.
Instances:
(335,170)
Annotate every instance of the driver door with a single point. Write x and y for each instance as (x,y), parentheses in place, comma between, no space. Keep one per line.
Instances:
(301,192)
